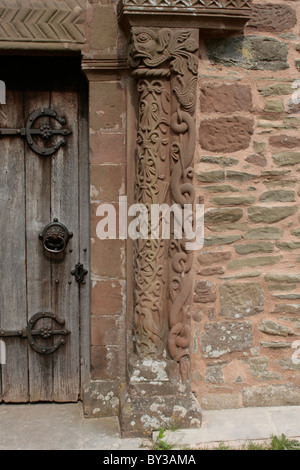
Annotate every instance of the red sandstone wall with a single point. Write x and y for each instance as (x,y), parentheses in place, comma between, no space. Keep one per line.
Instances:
(246,311)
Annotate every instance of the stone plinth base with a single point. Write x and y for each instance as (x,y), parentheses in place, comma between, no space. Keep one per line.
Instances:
(153,400)
(140,416)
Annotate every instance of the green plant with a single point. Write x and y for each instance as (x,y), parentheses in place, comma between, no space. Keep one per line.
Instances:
(255,446)
(223,446)
(282,443)
(160,444)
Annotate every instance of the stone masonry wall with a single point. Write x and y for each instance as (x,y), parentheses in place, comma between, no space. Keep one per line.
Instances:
(246,310)
(107,155)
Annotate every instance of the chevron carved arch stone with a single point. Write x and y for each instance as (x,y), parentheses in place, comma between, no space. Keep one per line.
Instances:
(50,21)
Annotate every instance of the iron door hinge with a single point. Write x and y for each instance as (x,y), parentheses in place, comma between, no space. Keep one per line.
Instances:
(46,132)
(44,332)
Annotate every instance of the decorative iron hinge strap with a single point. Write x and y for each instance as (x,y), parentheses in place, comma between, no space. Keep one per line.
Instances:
(46,132)
(44,332)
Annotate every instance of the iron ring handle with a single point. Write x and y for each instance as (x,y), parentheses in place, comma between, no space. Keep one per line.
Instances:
(57,247)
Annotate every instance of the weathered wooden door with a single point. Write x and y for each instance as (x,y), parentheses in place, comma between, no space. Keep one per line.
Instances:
(38,185)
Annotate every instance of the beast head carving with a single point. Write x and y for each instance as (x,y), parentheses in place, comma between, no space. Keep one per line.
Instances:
(151,49)
(148,46)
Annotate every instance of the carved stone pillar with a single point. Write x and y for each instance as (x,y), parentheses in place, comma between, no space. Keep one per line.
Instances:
(165,65)
(163,55)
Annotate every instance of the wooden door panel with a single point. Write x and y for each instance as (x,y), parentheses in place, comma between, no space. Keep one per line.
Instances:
(64,204)
(34,191)
(13,254)
(38,213)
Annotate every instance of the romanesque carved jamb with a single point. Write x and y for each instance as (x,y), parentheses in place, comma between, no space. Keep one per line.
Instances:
(166,66)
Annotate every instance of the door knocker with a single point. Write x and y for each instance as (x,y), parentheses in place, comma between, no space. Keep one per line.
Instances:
(55,237)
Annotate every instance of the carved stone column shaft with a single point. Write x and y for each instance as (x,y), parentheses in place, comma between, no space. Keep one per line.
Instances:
(152,185)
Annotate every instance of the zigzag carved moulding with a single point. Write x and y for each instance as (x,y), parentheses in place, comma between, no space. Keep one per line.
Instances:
(197,4)
(47,21)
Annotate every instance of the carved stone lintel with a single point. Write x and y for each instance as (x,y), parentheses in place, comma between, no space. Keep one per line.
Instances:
(208,15)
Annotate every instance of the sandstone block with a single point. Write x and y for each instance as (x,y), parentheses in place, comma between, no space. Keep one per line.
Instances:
(211,176)
(270,215)
(265,247)
(271,327)
(212,271)
(204,292)
(241,300)
(288,246)
(106,330)
(245,275)
(275,344)
(278,196)
(250,52)
(276,89)
(232,200)
(263,233)
(107,297)
(287,364)
(239,176)
(214,374)
(274,106)
(272,17)
(286,158)
(291,278)
(107,363)
(106,100)
(219,216)
(224,337)
(103,28)
(222,161)
(287,308)
(101,178)
(107,148)
(271,395)
(107,258)
(258,160)
(254,262)
(221,188)
(225,98)
(285,141)
(217,257)
(220,401)
(226,134)
(296,232)
(225,240)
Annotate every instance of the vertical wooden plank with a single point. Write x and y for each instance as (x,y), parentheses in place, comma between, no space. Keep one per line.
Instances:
(38,214)
(12,243)
(64,203)
(84,223)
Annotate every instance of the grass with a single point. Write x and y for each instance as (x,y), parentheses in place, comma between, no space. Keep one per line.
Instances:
(275,443)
